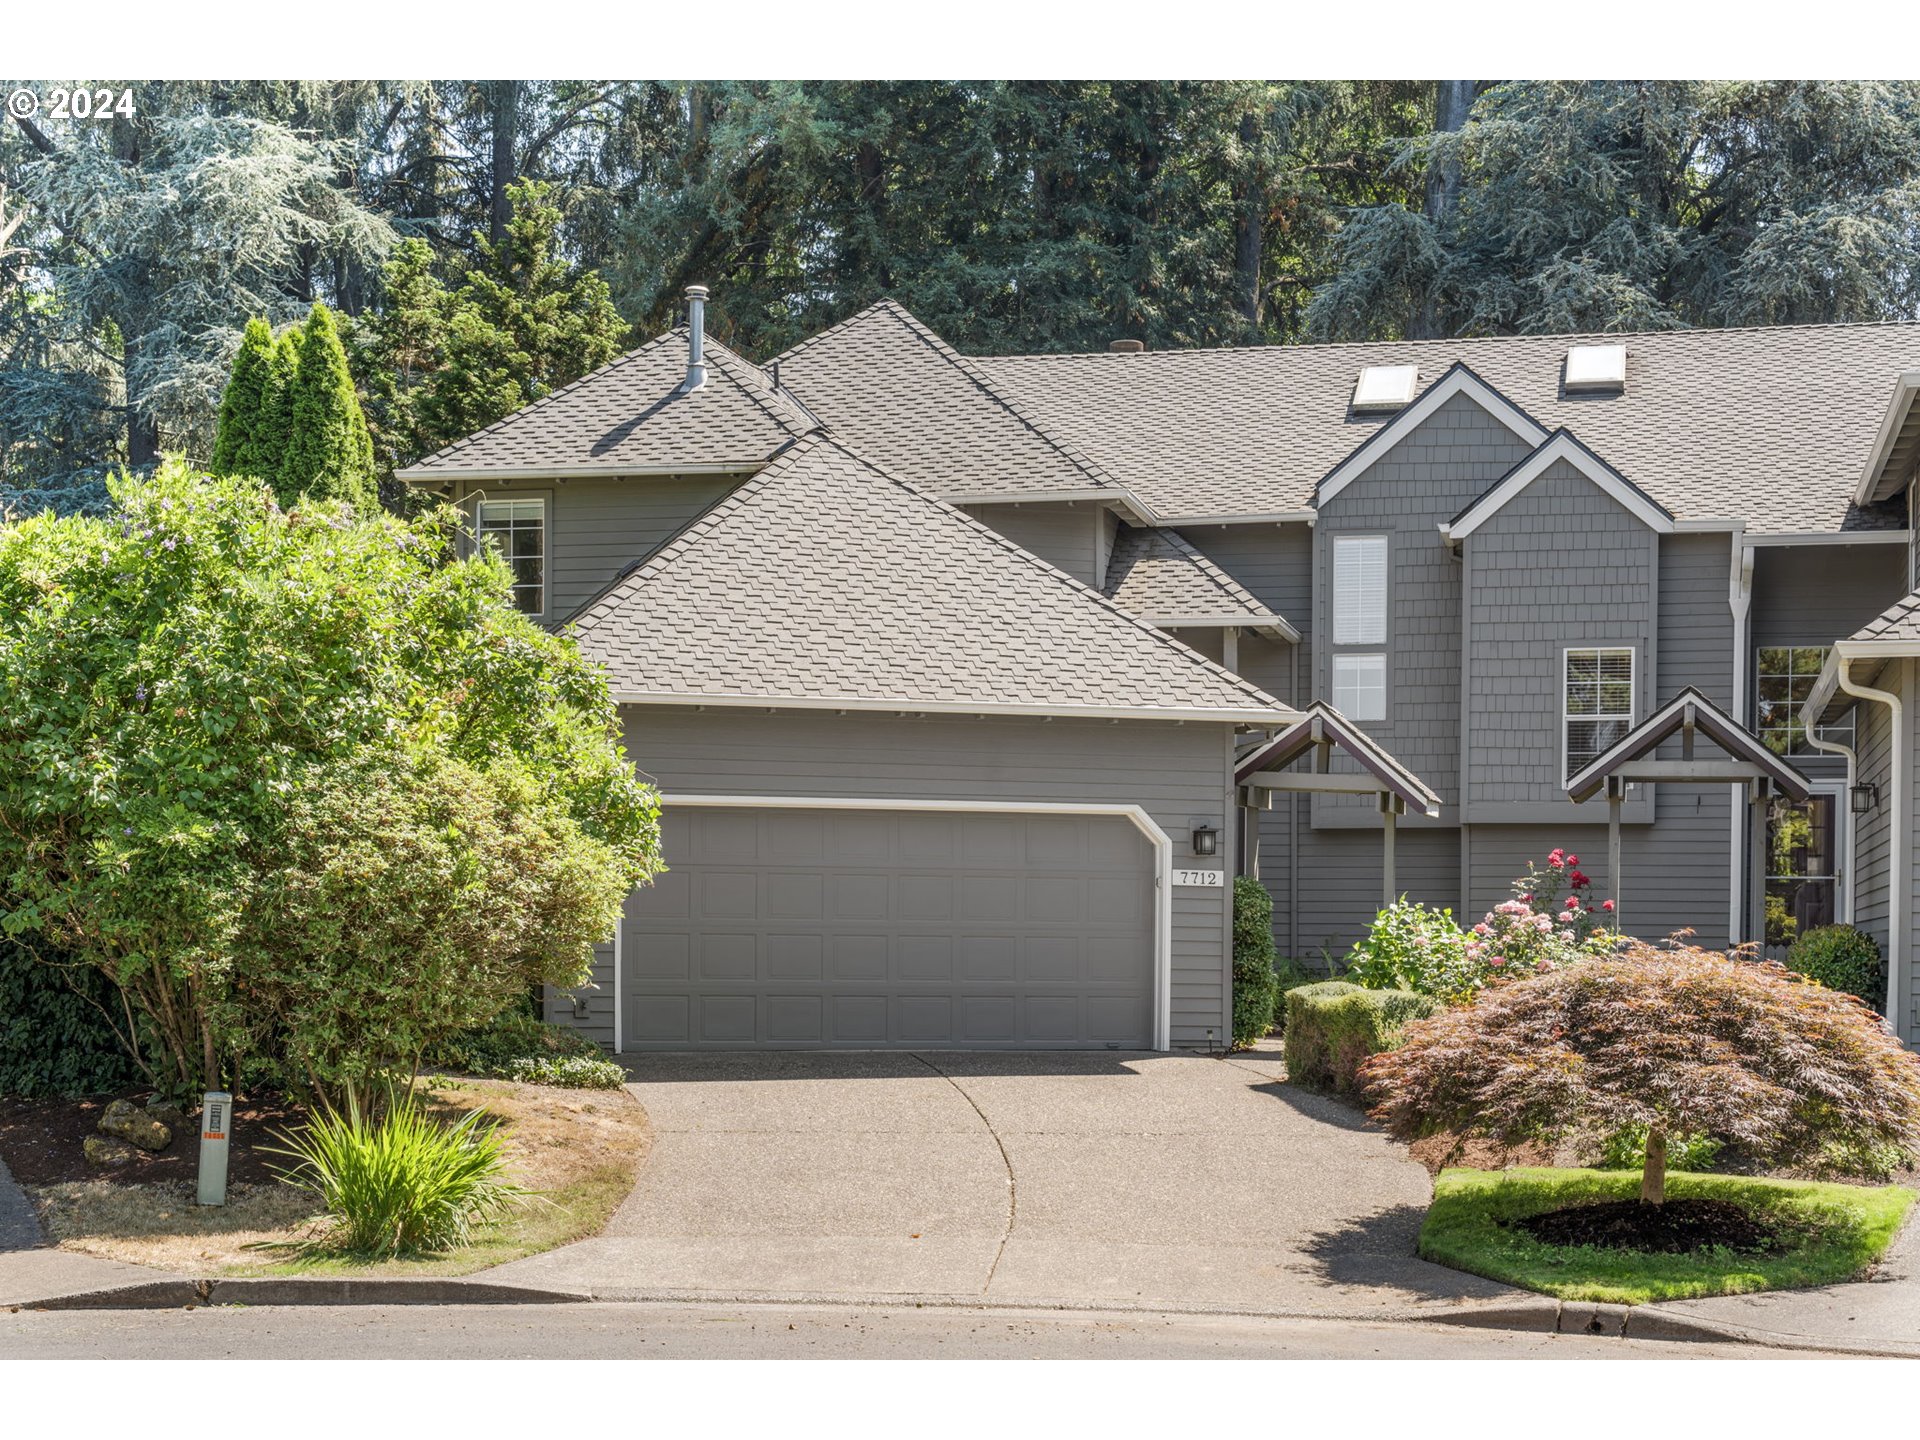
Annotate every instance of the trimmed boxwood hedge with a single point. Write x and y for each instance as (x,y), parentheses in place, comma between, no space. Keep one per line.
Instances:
(1842,958)
(1333,1025)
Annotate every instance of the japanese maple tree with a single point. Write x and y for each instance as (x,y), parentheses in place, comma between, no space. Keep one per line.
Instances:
(1684,1041)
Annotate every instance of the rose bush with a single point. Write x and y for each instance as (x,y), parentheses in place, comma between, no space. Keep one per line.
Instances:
(1550,921)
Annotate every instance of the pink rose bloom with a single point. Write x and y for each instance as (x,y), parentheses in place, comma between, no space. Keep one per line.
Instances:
(1606,905)
(1566,917)
(1542,924)
(1485,929)
(1573,860)
(1573,902)
(1497,961)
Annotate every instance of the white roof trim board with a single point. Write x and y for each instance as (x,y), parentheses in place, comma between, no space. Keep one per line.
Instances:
(1562,446)
(1874,483)
(1458,380)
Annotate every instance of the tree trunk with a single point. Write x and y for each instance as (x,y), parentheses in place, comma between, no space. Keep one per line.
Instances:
(1453,100)
(1653,1174)
(506,127)
(1249,225)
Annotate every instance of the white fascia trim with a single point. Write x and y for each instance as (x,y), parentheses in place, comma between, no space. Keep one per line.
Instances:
(1891,421)
(416,476)
(1873,650)
(1836,537)
(1279,715)
(1707,526)
(1143,822)
(1115,495)
(1455,382)
(1275,623)
(1257,517)
(1563,447)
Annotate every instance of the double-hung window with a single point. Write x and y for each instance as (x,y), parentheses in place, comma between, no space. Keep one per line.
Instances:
(1598,702)
(518,529)
(1360,626)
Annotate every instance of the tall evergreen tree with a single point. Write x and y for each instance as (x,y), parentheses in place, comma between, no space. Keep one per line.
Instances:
(329,452)
(251,437)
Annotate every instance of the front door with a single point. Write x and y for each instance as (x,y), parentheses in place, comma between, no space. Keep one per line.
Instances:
(1805,865)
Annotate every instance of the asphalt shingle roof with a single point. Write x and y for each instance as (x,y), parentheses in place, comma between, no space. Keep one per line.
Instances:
(630,415)
(823,580)
(1899,621)
(1157,575)
(1771,425)
(906,400)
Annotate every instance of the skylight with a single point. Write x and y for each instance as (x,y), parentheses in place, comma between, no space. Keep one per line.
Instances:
(1385,387)
(1597,367)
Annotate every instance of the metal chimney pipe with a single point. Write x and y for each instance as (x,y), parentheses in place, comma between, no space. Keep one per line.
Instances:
(696,337)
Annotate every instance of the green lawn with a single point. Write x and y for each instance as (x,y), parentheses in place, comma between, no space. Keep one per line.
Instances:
(1844,1229)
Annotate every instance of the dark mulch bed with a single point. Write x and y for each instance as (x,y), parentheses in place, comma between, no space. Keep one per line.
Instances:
(1679,1227)
(40,1141)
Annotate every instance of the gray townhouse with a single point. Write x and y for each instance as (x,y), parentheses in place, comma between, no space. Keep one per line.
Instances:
(949,668)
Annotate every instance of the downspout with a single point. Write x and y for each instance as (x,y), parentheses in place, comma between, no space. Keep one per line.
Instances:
(1899,860)
(1834,747)
(1740,602)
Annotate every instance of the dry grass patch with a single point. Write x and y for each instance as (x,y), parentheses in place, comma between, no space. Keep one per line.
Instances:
(579,1148)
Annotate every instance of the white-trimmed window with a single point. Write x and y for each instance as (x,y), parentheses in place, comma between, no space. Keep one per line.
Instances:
(1598,702)
(1360,686)
(518,529)
(1360,619)
(1360,590)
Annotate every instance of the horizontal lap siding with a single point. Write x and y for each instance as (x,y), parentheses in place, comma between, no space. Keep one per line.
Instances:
(1340,882)
(1177,773)
(1874,731)
(597,528)
(1275,564)
(1068,537)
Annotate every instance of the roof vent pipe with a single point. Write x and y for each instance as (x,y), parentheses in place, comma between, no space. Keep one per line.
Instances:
(696,337)
(1126,347)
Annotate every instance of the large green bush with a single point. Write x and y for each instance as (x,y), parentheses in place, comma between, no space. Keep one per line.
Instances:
(1841,958)
(55,1036)
(1333,1026)
(1256,988)
(302,783)
(1414,947)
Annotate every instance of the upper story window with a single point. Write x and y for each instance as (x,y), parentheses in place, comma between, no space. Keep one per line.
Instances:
(1783,679)
(1598,705)
(518,528)
(1360,619)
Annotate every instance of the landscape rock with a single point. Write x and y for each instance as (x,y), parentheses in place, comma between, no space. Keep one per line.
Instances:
(106,1150)
(169,1115)
(126,1121)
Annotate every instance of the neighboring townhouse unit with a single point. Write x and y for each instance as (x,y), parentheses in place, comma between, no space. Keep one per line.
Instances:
(943,664)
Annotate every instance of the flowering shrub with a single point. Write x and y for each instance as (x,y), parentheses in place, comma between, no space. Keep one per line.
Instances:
(1413,947)
(1550,921)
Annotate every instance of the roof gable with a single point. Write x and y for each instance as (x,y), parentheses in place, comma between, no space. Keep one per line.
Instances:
(1561,446)
(825,583)
(634,416)
(1689,708)
(1458,380)
(1321,724)
(1157,575)
(902,396)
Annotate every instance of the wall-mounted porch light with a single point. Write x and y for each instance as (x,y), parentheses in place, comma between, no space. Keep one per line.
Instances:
(1206,839)
(1864,797)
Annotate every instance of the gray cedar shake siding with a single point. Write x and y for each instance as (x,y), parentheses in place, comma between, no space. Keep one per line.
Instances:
(1076,538)
(1560,565)
(1176,773)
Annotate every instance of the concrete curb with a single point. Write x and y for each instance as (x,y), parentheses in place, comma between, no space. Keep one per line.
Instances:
(1532,1315)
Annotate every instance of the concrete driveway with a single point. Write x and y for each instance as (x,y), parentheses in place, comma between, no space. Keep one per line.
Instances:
(1014,1178)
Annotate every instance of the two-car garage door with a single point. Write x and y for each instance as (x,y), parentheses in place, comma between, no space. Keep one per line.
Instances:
(866,929)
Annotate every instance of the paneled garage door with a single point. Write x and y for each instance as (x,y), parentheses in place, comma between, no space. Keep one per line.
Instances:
(856,929)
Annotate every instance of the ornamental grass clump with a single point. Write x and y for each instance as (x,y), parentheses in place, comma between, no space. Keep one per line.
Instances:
(1683,1041)
(402,1182)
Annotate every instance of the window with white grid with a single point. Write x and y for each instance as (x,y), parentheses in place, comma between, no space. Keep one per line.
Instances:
(1360,619)
(518,529)
(1598,706)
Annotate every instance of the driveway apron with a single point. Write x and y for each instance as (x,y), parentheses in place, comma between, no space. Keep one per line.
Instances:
(1061,1177)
